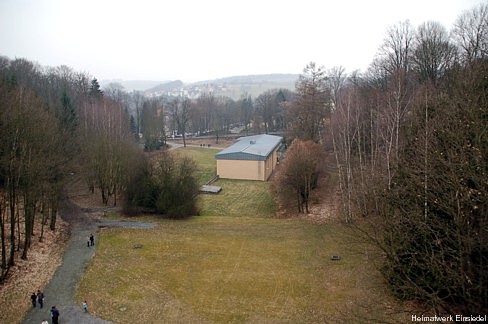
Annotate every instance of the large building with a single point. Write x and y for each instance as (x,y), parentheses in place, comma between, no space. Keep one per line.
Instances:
(250,158)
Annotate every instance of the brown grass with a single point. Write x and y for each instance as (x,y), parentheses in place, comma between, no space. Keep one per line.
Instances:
(237,269)
(220,269)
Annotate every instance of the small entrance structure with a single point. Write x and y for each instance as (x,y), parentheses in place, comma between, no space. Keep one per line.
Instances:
(210,189)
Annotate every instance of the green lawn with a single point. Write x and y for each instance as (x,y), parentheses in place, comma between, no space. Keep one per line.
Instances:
(239,198)
(249,198)
(205,157)
(236,264)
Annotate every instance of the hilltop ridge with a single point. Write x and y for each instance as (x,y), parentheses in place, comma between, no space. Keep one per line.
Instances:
(233,86)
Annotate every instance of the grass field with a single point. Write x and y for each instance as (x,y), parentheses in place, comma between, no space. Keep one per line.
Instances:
(239,198)
(207,168)
(236,264)
(229,269)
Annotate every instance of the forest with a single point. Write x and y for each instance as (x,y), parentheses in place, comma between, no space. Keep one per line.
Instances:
(408,139)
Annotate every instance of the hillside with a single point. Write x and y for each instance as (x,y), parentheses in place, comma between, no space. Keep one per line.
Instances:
(237,86)
(234,86)
(133,85)
(285,79)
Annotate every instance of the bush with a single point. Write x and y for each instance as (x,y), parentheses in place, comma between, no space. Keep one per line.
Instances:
(298,174)
(169,187)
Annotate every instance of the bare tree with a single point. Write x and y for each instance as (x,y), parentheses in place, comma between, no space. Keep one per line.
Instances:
(107,146)
(307,114)
(181,111)
(204,112)
(471,33)
(353,133)
(11,162)
(282,99)
(153,123)
(3,238)
(336,81)
(246,111)
(299,173)
(343,134)
(218,116)
(116,92)
(270,109)
(396,50)
(265,107)
(434,53)
(138,100)
(31,157)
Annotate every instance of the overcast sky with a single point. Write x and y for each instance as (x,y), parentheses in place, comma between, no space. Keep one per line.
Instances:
(195,40)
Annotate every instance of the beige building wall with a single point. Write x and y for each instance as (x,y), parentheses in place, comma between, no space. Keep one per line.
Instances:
(240,169)
(247,170)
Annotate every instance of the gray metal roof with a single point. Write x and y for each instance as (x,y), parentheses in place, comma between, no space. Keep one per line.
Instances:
(256,147)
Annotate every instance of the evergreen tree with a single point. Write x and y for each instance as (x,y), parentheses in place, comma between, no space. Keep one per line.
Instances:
(95,91)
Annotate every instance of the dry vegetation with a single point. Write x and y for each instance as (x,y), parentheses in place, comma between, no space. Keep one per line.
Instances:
(29,275)
(237,269)
(238,263)
(44,257)
(229,267)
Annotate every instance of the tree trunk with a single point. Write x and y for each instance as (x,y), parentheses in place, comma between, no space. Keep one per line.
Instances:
(115,195)
(3,265)
(104,196)
(54,212)
(11,259)
(29,212)
(44,217)
(299,201)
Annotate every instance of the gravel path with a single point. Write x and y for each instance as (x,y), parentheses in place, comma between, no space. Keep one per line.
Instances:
(61,291)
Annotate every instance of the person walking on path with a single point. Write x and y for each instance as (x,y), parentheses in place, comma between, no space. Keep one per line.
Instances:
(40,298)
(92,240)
(33,299)
(61,290)
(84,305)
(55,315)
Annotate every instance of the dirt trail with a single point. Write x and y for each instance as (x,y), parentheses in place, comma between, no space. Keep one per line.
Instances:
(61,291)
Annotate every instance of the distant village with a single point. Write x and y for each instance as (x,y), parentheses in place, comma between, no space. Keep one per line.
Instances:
(233,87)
(191,91)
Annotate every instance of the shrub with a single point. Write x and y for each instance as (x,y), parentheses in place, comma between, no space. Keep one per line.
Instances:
(168,187)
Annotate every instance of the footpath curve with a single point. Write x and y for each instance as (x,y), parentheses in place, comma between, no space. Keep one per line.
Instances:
(61,290)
